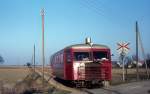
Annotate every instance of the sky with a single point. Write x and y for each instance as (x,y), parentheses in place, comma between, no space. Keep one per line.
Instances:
(69,22)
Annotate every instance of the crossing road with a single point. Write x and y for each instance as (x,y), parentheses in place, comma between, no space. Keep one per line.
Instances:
(142,87)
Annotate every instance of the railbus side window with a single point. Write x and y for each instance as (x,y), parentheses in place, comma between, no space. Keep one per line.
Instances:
(61,57)
(68,56)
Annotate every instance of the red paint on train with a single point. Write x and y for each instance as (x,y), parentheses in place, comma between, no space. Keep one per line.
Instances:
(83,62)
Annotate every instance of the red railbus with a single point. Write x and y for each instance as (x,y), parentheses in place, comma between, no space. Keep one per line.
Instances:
(83,64)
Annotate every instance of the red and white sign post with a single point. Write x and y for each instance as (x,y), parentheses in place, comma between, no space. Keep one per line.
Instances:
(123,50)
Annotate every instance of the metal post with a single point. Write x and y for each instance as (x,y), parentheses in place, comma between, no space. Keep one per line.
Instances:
(123,74)
(123,47)
(137,67)
(43,57)
(126,76)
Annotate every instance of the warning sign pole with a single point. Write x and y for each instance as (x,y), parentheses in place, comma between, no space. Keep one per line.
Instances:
(123,49)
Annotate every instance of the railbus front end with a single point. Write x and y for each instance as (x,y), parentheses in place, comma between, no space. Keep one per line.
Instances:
(91,66)
(83,64)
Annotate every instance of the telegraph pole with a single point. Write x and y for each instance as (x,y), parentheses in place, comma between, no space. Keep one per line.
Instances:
(34,57)
(137,60)
(43,57)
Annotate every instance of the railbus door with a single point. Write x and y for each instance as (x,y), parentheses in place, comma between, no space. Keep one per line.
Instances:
(68,66)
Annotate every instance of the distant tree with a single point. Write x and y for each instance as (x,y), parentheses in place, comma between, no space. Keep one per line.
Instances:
(148,60)
(1,60)
(29,64)
(148,56)
(140,61)
(133,57)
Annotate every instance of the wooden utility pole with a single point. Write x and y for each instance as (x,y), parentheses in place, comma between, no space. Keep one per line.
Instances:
(34,57)
(43,57)
(137,60)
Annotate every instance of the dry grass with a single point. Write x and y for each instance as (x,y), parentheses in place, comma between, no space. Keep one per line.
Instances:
(130,76)
(24,80)
(11,75)
(117,74)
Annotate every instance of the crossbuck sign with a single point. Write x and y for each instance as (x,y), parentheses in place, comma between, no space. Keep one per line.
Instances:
(123,47)
(123,50)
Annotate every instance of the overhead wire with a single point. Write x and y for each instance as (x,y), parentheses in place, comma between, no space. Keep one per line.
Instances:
(143,53)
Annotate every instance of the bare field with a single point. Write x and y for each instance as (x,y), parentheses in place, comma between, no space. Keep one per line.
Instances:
(22,80)
(130,75)
(13,74)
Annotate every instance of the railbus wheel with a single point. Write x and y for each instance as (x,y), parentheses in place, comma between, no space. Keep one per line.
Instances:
(88,84)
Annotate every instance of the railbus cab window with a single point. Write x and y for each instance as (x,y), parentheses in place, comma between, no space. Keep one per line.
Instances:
(98,55)
(79,56)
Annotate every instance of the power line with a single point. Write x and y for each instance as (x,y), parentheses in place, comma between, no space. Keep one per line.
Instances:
(143,53)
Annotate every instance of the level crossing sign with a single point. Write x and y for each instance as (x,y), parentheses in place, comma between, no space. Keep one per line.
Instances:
(123,47)
(123,50)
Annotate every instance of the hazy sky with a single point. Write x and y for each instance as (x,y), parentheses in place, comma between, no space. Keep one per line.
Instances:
(69,22)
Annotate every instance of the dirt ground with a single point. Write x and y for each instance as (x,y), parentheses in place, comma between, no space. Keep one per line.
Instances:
(21,78)
(130,75)
(11,75)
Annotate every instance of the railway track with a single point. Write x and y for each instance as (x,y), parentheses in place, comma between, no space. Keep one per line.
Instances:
(50,78)
(141,87)
(86,90)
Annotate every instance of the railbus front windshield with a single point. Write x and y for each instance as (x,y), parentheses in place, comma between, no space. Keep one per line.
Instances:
(79,56)
(88,56)
(98,55)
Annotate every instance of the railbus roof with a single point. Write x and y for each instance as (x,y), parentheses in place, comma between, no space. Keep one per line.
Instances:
(81,46)
(76,46)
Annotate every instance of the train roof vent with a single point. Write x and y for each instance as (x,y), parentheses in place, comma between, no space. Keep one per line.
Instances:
(88,41)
